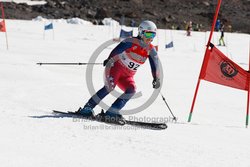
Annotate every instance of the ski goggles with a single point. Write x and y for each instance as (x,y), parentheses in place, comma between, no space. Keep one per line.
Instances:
(149,34)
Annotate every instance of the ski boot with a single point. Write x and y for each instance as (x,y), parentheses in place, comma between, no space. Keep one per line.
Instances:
(111,117)
(86,111)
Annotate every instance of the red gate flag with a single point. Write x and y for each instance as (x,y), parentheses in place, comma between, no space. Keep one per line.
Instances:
(220,69)
(2,26)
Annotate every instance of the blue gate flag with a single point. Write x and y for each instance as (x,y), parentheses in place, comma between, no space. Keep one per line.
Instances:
(48,27)
(126,34)
(170,45)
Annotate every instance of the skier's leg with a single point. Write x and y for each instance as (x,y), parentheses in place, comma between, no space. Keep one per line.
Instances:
(112,114)
(223,41)
(87,110)
(128,85)
(121,101)
(220,41)
(111,79)
(96,98)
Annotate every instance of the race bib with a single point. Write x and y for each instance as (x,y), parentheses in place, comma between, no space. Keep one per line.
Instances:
(130,64)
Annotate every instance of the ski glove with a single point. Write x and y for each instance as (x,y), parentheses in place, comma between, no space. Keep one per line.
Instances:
(105,62)
(108,63)
(156,83)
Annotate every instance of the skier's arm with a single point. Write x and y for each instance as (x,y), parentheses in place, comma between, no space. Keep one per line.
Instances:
(121,47)
(153,60)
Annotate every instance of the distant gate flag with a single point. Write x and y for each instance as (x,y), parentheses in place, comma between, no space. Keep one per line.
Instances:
(169,45)
(2,26)
(126,34)
(220,69)
(48,27)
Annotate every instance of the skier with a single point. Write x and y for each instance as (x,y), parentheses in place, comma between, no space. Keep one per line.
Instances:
(189,28)
(217,25)
(221,40)
(120,68)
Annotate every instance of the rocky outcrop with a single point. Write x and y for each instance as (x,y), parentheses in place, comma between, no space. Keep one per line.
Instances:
(165,13)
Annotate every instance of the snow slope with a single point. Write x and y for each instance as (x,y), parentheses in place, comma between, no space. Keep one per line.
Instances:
(31,135)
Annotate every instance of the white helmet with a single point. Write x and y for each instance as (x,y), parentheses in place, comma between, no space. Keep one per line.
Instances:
(146,26)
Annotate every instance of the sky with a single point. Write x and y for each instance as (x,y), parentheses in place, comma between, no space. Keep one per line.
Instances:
(32,135)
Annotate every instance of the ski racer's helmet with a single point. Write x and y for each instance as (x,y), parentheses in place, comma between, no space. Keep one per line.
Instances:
(147,26)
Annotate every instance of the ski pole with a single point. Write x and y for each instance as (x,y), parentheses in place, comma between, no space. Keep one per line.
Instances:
(174,118)
(69,64)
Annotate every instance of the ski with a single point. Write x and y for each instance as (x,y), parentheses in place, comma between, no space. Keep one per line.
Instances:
(146,125)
